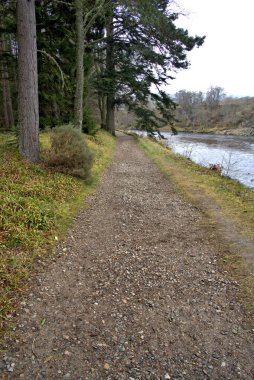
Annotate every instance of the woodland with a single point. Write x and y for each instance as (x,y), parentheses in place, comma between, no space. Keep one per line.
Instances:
(102,251)
(214,110)
(79,61)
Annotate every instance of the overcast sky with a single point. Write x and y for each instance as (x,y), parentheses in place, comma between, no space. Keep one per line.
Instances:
(226,58)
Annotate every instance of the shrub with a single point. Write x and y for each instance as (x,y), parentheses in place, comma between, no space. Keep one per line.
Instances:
(69,153)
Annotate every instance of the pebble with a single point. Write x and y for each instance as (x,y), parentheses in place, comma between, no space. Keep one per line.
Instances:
(137,291)
(2,365)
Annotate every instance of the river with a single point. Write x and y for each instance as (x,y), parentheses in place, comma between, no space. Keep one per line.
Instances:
(234,153)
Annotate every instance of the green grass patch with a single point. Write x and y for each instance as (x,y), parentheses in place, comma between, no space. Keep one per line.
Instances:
(235,199)
(214,195)
(36,208)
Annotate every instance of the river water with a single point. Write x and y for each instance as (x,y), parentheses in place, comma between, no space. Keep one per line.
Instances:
(234,153)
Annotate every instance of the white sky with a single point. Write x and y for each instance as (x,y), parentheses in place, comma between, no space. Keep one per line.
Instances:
(226,58)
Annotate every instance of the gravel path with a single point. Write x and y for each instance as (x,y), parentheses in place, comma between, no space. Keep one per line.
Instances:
(134,292)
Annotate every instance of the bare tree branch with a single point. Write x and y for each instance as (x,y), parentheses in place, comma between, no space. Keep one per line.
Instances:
(55,62)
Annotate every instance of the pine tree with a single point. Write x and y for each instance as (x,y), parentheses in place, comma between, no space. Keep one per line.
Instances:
(143,49)
(86,14)
(28,110)
(8,64)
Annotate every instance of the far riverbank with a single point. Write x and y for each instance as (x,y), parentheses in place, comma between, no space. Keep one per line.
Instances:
(241,131)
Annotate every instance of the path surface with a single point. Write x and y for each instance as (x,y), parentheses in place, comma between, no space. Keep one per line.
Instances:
(134,292)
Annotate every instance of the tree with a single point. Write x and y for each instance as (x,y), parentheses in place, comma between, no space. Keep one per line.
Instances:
(7,99)
(78,103)
(28,110)
(56,61)
(190,110)
(85,17)
(143,47)
(110,67)
(185,100)
(7,69)
(214,96)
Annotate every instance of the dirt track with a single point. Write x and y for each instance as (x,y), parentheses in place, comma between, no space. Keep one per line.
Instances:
(134,292)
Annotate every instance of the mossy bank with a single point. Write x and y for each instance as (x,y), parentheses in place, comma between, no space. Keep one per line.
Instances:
(37,206)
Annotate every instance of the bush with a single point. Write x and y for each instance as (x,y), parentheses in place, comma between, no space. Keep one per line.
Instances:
(69,153)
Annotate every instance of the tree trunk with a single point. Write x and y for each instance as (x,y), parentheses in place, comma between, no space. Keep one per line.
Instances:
(7,101)
(110,67)
(8,89)
(79,94)
(110,119)
(28,109)
(6,116)
(102,108)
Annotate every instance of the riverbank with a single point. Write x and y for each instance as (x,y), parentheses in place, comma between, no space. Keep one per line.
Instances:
(134,291)
(240,131)
(237,132)
(227,204)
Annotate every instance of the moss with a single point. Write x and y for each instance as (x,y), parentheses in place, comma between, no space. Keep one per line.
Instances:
(36,208)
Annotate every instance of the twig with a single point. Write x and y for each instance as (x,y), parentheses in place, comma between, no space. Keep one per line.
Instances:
(33,349)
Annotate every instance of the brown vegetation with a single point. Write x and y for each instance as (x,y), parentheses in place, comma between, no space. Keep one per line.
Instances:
(69,153)
(214,111)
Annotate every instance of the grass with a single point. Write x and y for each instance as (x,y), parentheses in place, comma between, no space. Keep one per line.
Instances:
(36,208)
(236,200)
(215,196)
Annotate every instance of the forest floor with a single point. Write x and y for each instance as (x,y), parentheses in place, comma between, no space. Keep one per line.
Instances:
(135,291)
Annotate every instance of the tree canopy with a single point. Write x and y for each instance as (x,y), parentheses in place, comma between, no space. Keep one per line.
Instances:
(143,49)
(93,57)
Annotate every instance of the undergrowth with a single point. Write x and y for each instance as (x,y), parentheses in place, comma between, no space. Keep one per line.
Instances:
(36,208)
(69,153)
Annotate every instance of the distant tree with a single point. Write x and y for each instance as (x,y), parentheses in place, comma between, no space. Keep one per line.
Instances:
(214,96)
(7,65)
(7,98)
(185,100)
(198,98)
(190,107)
(213,110)
(28,109)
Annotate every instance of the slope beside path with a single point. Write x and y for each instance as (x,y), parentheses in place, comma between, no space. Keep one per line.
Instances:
(134,292)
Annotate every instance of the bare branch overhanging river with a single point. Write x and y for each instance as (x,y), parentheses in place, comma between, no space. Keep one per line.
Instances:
(235,154)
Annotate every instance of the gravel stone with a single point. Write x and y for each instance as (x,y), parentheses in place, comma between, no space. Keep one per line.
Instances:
(134,292)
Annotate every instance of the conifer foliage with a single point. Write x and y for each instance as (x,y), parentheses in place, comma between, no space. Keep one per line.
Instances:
(115,52)
(143,49)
